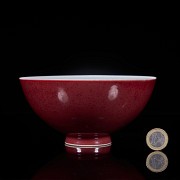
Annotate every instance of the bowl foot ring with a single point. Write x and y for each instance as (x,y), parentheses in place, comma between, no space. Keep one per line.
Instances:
(88,143)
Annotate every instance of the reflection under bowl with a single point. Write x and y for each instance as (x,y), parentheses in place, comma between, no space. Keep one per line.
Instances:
(106,167)
(87,108)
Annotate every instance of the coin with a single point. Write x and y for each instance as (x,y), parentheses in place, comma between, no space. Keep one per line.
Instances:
(157,139)
(156,161)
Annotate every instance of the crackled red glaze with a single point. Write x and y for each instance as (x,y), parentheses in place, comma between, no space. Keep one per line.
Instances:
(90,106)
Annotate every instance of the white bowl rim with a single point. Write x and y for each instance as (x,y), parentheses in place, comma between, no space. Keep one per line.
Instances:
(89,78)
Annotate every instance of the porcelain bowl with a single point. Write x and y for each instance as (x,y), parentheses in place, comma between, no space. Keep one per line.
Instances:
(87,108)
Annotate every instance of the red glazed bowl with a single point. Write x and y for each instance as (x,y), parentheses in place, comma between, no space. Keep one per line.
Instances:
(88,107)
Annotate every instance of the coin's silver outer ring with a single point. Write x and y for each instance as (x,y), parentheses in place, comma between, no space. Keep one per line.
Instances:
(165,161)
(153,131)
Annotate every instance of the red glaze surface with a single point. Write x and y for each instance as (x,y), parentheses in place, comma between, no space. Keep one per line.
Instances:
(88,143)
(95,139)
(90,106)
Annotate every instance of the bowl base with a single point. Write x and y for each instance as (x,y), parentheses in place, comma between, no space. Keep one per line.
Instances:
(88,143)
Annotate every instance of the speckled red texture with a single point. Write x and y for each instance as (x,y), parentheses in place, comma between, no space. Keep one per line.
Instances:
(87,106)
(91,106)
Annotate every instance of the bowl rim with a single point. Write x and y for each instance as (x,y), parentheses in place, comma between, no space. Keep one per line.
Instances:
(89,78)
